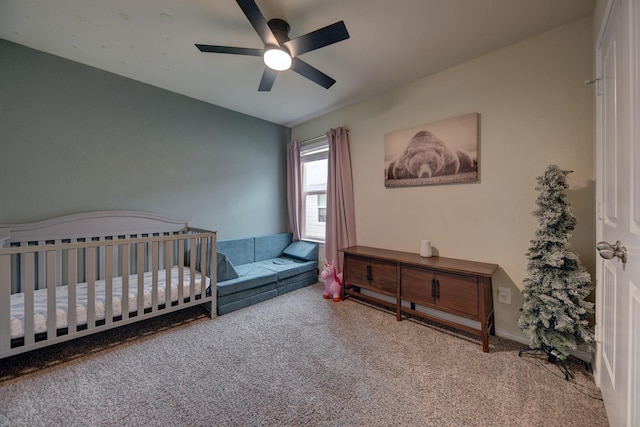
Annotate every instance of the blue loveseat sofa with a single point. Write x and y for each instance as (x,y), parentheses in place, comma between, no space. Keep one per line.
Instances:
(254,269)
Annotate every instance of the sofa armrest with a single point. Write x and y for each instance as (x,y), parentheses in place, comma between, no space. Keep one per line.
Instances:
(271,246)
(302,250)
(238,251)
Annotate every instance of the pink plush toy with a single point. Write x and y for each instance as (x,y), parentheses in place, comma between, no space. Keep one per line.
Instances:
(332,282)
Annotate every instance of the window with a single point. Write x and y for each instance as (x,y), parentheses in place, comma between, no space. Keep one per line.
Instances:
(314,159)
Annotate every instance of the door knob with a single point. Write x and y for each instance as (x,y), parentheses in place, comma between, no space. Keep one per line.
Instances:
(608,251)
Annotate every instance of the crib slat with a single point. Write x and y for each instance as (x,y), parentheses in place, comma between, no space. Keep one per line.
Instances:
(58,264)
(5,295)
(161,256)
(72,281)
(168,290)
(192,269)
(20,273)
(91,287)
(148,254)
(141,260)
(108,284)
(181,271)
(52,324)
(41,281)
(203,265)
(213,274)
(154,276)
(100,250)
(124,253)
(28,286)
(116,271)
(78,268)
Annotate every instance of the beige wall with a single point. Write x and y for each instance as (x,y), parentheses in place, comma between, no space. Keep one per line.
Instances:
(535,110)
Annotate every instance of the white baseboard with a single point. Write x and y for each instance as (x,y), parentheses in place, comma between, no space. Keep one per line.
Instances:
(513,336)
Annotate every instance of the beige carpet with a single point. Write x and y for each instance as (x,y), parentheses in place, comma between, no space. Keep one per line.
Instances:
(290,361)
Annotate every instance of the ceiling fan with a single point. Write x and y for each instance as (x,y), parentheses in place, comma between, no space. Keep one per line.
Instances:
(281,53)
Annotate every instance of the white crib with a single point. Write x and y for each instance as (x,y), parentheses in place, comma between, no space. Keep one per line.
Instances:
(80,274)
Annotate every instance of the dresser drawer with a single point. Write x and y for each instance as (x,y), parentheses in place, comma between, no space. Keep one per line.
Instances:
(448,292)
(371,273)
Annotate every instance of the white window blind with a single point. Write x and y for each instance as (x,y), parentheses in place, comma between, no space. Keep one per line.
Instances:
(314,165)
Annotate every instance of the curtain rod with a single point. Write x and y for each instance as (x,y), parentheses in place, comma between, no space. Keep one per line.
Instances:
(315,138)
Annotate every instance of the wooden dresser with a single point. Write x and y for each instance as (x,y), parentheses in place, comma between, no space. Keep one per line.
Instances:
(458,287)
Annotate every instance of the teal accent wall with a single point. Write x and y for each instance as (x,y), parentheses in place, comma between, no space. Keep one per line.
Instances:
(75,138)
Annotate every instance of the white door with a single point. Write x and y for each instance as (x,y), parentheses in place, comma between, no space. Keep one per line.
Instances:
(618,201)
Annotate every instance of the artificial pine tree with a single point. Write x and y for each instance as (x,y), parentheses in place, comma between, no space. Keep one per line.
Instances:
(555,313)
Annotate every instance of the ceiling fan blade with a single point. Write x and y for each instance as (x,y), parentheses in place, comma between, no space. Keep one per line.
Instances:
(258,22)
(313,74)
(228,49)
(268,78)
(316,39)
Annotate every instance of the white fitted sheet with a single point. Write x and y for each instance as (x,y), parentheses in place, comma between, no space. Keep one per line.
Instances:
(62,294)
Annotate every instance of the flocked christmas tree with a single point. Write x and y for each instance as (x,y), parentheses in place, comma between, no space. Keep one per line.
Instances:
(555,313)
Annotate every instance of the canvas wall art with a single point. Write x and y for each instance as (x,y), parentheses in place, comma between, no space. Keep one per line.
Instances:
(443,152)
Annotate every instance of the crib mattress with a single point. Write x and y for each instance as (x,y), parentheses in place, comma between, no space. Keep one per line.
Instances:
(40,300)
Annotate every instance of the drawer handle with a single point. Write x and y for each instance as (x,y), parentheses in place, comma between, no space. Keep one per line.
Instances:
(368,273)
(433,288)
(437,288)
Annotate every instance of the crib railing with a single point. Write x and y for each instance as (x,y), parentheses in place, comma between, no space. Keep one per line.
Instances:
(31,266)
(139,258)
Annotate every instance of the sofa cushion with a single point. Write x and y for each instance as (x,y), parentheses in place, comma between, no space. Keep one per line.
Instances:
(271,246)
(225,268)
(250,276)
(306,251)
(239,251)
(226,299)
(287,267)
(311,274)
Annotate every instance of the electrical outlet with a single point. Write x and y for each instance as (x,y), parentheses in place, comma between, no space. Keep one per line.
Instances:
(504,295)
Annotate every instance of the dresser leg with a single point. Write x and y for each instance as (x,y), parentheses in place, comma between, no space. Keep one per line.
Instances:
(485,339)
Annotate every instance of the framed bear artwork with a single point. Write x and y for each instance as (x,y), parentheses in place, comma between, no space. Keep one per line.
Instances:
(444,152)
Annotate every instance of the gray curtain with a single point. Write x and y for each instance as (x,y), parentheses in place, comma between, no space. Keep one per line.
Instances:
(294,189)
(341,218)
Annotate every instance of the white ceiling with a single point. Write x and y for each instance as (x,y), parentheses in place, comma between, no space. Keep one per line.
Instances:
(392,42)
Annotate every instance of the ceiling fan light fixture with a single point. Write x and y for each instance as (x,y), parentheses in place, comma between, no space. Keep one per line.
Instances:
(280,50)
(277,59)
